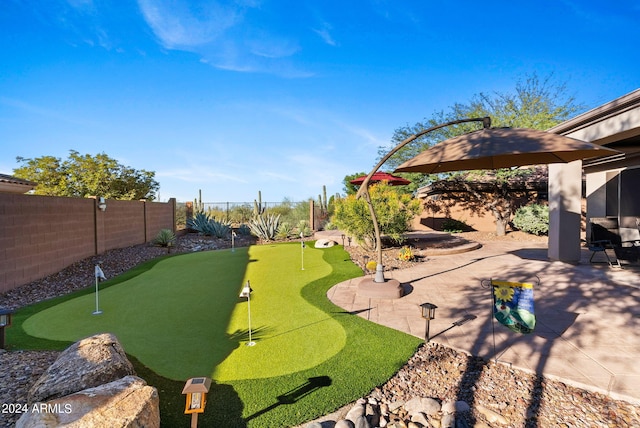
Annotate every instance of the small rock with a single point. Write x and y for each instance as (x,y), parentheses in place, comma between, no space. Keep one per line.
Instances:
(491,415)
(448,420)
(420,418)
(344,423)
(361,422)
(395,405)
(430,406)
(356,411)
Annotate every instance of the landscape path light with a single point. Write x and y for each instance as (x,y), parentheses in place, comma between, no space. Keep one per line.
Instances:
(196,390)
(428,313)
(5,321)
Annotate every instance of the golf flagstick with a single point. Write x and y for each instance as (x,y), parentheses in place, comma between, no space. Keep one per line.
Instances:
(302,242)
(99,275)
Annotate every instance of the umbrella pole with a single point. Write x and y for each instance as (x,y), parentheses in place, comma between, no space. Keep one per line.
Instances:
(363,191)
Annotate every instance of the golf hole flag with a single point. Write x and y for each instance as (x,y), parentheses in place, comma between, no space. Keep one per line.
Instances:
(99,273)
(513,305)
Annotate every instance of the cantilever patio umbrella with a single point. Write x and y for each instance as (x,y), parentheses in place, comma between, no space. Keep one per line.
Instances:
(488,148)
(393,180)
(493,148)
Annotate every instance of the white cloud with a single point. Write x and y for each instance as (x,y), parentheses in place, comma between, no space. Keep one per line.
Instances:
(177,25)
(273,47)
(324,33)
(224,35)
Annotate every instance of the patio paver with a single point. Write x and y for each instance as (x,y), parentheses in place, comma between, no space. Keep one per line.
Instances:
(588,315)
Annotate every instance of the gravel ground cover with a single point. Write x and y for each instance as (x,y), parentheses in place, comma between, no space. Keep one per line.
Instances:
(524,399)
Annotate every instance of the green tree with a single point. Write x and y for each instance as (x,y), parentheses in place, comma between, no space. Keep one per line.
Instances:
(537,103)
(85,175)
(394,212)
(351,189)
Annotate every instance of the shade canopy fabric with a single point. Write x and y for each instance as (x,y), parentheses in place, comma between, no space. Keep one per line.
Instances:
(393,180)
(493,148)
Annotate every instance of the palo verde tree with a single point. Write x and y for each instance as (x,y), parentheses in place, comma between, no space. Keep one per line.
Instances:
(85,175)
(394,212)
(536,103)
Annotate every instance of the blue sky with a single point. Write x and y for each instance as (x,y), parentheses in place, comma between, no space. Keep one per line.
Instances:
(233,97)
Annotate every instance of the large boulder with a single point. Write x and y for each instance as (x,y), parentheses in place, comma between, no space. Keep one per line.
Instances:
(127,403)
(324,243)
(88,363)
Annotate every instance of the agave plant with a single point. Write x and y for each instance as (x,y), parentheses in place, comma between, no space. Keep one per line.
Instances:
(208,226)
(219,228)
(243,230)
(198,222)
(303,228)
(265,227)
(165,238)
(285,230)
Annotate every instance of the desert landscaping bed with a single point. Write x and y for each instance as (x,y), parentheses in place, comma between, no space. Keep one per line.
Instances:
(434,371)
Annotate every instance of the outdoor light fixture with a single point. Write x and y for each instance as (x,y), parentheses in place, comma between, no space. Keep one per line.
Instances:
(246,293)
(196,390)
(342,236)
(102,204)
(428,313)
(5,321)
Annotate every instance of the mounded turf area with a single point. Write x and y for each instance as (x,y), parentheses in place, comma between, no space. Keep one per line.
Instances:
(180,317)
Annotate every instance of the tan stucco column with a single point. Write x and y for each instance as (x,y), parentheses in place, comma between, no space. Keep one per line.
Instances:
(565,191)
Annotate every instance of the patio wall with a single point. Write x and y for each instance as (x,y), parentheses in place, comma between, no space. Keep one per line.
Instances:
(483,222)
(40,235)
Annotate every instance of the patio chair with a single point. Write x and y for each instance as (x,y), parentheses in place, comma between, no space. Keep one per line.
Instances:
(605,234)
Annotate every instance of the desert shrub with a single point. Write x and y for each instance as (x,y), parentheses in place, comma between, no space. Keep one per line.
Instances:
(330,226)
(406,254)
(285,230)
(394,212)
(532,219)
(165,238)
(240,213)
(304,229)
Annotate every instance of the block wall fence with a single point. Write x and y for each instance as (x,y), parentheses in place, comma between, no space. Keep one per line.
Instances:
(41,235)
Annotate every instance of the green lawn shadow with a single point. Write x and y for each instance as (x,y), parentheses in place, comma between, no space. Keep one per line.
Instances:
(171,316)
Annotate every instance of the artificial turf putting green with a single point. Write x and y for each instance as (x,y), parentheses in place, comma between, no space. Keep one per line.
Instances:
(370,356)
(183,317)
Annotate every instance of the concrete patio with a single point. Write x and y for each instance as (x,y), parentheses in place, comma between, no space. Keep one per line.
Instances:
(588,315)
